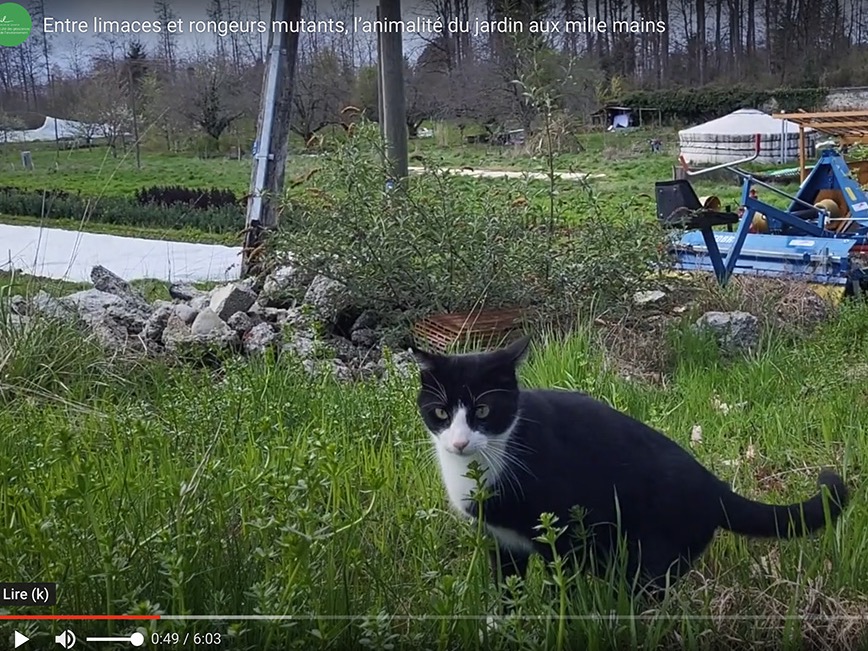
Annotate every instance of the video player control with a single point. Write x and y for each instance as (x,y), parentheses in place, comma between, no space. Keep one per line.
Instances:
(28,594)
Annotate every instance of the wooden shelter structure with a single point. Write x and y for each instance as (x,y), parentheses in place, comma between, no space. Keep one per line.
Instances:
(848,127)
(636,116)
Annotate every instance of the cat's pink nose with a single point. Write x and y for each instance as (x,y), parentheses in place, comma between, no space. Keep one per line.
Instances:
(460,445)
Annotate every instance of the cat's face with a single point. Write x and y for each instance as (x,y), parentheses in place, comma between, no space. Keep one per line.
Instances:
(469,401)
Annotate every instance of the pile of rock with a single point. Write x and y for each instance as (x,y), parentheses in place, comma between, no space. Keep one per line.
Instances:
(314,318)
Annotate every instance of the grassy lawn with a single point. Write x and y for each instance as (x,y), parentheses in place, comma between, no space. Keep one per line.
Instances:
(95,172)
(12,284)
(150,489)
(153,488)
(630,171)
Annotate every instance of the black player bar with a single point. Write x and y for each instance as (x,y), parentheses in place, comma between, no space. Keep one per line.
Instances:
(28,594)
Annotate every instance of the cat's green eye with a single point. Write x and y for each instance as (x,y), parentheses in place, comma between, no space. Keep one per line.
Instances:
(440,413)
(482,411)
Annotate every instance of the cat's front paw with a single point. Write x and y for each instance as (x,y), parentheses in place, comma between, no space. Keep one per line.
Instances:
(493,623)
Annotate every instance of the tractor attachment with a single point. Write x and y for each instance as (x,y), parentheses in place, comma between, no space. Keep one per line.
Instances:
(821,237)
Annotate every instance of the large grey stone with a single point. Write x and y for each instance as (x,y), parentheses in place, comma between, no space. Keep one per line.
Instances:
(259,338)
(327,298)
(240,322)
(184,291)
(109,282)
(187,313)
(116,320)
(733,331)
(365,337)
(175,332)
(208,322)
(156,323)
(207,331)
(229,299)
(284,286)
(44,304)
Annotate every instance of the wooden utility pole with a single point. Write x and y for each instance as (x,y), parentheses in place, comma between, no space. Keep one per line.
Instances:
(802,171)
(272,131)
(394,115)
(135,111)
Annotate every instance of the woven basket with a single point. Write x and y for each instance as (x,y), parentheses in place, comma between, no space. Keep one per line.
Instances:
(484,328)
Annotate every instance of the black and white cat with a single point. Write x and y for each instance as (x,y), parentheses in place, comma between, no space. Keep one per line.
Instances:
(548,451)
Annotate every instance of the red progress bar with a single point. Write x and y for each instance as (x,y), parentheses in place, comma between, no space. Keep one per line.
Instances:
(84,617)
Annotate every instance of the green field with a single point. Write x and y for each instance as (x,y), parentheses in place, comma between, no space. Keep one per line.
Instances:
(96,172)
(148,487)
(625,159)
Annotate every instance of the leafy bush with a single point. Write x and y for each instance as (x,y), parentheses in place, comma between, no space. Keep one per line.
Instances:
(200,199)
(857,152)
(713,101)
(119,210)
(443,243)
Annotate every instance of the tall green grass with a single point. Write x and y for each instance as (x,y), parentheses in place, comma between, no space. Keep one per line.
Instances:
(142,487)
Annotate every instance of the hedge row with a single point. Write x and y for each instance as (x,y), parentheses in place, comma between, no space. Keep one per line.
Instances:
(201,199)
(119,210)
(691,104)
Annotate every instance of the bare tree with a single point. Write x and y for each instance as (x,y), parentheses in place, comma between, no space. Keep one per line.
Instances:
(212,101)
(9,124)
(324,86)
(426,85)
(165,13)
(217,12)
(100,108)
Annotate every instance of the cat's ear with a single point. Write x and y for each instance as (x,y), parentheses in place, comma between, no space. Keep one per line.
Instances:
(424,359)
(516,351)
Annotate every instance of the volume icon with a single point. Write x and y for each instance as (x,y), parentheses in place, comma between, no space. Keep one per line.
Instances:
(65,639)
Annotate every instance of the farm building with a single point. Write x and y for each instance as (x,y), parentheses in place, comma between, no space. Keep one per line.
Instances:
(732,137)
(624,117)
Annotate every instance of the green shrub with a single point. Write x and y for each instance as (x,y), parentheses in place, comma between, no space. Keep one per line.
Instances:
(443,243)
(706,102)
(119,210)
(196,198)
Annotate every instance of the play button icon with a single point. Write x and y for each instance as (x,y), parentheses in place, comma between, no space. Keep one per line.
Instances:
(20,639)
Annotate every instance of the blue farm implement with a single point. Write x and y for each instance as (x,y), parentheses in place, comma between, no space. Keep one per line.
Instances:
(821,237)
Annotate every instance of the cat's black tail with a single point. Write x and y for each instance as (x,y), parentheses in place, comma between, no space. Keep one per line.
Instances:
(750,518)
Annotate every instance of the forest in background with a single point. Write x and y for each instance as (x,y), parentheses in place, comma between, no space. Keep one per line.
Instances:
(713,56)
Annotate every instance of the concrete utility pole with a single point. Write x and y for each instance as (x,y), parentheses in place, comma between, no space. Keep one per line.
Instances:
(394,116)
(272,130)
(380,119)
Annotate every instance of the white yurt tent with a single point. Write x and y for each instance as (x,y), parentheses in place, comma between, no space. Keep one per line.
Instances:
(732,137)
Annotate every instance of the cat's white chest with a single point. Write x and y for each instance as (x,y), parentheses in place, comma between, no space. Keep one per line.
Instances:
(459,486)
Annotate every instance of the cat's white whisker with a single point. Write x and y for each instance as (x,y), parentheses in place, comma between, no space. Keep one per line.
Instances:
(490,391)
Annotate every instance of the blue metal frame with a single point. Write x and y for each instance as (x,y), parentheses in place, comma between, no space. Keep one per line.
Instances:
(823,260)
(793,247)
(831,173)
